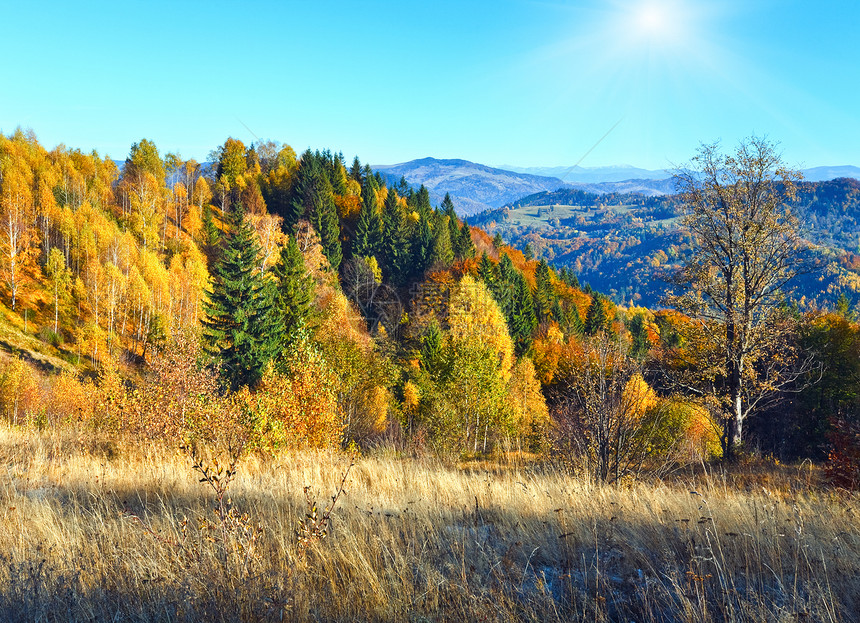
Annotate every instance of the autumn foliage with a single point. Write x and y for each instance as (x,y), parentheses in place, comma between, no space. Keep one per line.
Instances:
(376,317)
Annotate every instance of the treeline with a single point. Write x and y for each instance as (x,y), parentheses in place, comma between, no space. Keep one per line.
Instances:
(302,300)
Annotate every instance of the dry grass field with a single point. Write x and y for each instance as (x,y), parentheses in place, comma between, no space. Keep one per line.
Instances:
(96,532)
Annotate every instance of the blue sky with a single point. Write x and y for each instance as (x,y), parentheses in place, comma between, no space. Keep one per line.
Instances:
(513,82)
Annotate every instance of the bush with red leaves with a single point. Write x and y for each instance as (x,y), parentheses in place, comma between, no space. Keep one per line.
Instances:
(843,462)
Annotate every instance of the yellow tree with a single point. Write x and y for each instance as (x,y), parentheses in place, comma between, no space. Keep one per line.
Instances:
(200,196)
(60,279)
(178,206)
(362,395)
(16,207)
(463,382)
(146,201)
(188,279)
(475,318)
(531,422)
(143,191)
(270,237)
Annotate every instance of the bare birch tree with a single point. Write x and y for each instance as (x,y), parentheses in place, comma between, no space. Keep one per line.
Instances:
(746,250)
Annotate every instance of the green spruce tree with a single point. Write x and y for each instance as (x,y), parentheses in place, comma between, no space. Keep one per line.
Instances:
(326,223)
(368,229)
(295,293)
(639,336)
(305,190)
(242,327)
(546,300)
(464,248)
(210,242)
(597,318)
(431,349)
(487,272)
(573,324)
(447,208)
(505,287)
(443,253)
(523,321)
(395,242)
(422,247)
(355,171)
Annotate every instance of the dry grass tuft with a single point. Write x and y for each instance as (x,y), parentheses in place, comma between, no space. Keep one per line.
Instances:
(94,532)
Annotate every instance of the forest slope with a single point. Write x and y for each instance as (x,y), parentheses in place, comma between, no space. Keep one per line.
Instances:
(628,244)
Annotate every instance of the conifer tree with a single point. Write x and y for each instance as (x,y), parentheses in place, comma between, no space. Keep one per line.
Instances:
(211,236)
(447,208)
(242,327)
(506,287)
(295,292)
(355,171)
(422,244)
(367,176)
(464,248)
(395,241)
(338,175)
(368,229)
(545,298)
(528,252)
(326,223)
(596,320)
(420,201)
(639,336)
(431,349)
(306,189)
(402,187)
(523,321)
(573,324)
(487,272)
(557,311)
(443,253)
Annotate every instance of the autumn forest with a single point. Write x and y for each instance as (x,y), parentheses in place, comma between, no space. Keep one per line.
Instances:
(267,309)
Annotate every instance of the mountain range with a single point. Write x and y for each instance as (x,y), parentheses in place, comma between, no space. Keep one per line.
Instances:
(593,175)
(475,187)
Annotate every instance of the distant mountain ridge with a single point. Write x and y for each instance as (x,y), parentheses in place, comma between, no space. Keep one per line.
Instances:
(577,175)
(473,187)
(825,174)
(593,175)
(477,187)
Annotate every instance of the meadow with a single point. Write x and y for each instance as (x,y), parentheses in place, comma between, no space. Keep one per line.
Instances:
(95,530)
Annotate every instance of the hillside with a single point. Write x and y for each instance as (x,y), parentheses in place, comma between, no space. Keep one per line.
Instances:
(628,244)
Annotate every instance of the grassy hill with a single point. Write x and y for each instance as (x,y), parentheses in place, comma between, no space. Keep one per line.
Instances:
(105,532)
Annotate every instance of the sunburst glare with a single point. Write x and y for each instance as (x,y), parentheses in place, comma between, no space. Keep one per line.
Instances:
(657,24)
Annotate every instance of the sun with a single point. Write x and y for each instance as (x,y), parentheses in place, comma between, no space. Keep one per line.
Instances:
(651,20)
(654,22)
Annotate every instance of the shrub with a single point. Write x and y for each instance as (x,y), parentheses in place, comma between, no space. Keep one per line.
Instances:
(296,407)
(20,394)
(843,461)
